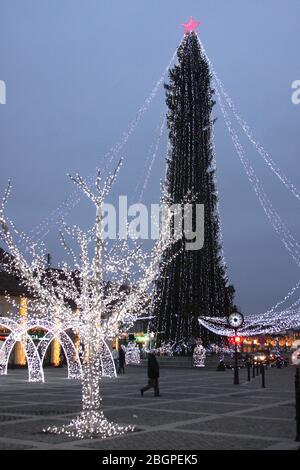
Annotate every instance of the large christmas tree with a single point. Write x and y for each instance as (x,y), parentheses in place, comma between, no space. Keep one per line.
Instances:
(194,283)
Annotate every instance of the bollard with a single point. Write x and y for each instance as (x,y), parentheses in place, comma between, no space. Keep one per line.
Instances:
(257,370)
(263,378)
(236,379)
(253,371)
(249,371)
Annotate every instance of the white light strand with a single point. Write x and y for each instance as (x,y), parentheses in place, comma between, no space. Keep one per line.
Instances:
(92,295)
(285,236)
(43,228)
(219,218)
(247,130)
(199,356)
(151,160)
(132,354)
(250,171)
(274,323)
(33,359)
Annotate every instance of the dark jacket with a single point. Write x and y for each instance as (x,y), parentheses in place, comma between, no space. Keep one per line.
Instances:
(121,356)
(153,367)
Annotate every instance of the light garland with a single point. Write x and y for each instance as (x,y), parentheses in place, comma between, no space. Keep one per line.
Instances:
(132,354)
(95,285)
(72,358)
(273,323)
(90,424)
(295,358)
(35,370)
(44,227)
(57,332)
(149,164)
(107,363)
(166,349)
(20,332)
(199,356)
(289,242)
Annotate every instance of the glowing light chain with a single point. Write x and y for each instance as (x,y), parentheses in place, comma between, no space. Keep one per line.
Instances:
(199,356)
(96,286)
(220,231)
(151,160)
(19,332)
(35,370)
(285,236)
(247,130)
(92,424)
(43,228)
(132,354)
(275,323)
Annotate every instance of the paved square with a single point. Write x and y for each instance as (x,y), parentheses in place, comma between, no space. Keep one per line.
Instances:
(198,409)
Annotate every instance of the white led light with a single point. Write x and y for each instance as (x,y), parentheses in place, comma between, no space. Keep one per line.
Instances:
(132,354)
(199,356)
(104,305)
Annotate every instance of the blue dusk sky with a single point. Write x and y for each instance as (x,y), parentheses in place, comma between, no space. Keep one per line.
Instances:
(76,72)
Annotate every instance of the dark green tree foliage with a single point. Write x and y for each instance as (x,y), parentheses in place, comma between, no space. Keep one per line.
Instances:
(194,283)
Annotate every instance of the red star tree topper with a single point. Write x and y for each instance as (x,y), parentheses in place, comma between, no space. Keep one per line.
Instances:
(191,26)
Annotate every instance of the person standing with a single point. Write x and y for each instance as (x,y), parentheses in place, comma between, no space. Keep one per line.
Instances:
(153,375)
(115,356)
(121,368)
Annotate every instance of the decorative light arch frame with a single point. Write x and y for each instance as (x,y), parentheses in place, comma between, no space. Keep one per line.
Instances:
(35,354)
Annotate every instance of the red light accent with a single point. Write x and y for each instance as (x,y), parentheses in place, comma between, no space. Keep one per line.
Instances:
(235,339)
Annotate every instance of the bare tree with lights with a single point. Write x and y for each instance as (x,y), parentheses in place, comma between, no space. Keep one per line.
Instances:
(94,285)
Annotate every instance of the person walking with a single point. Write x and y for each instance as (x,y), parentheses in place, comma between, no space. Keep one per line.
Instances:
(153,375)
(121,368)
(115,356)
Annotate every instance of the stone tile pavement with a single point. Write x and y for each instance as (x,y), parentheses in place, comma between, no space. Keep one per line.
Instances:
(198,409)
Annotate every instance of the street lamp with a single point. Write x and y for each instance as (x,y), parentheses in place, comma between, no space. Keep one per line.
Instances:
(235,321)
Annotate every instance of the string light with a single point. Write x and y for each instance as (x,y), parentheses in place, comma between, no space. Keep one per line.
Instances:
(149,165)
(94,284)
(35,370)
(247,130)
(289,242)
(199,356)
(132,354)
(20,332)
(44,227)
(274,323)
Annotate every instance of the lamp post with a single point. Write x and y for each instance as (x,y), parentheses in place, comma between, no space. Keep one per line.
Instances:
(235,321)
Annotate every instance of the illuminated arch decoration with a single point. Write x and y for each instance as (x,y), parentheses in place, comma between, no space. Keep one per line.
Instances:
(132,354)
(271,322)
(74,365)
(107,363)
(18,333)
(35,355)
(55,332)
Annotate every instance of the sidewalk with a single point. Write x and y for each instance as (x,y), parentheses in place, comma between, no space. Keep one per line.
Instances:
(198,409)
